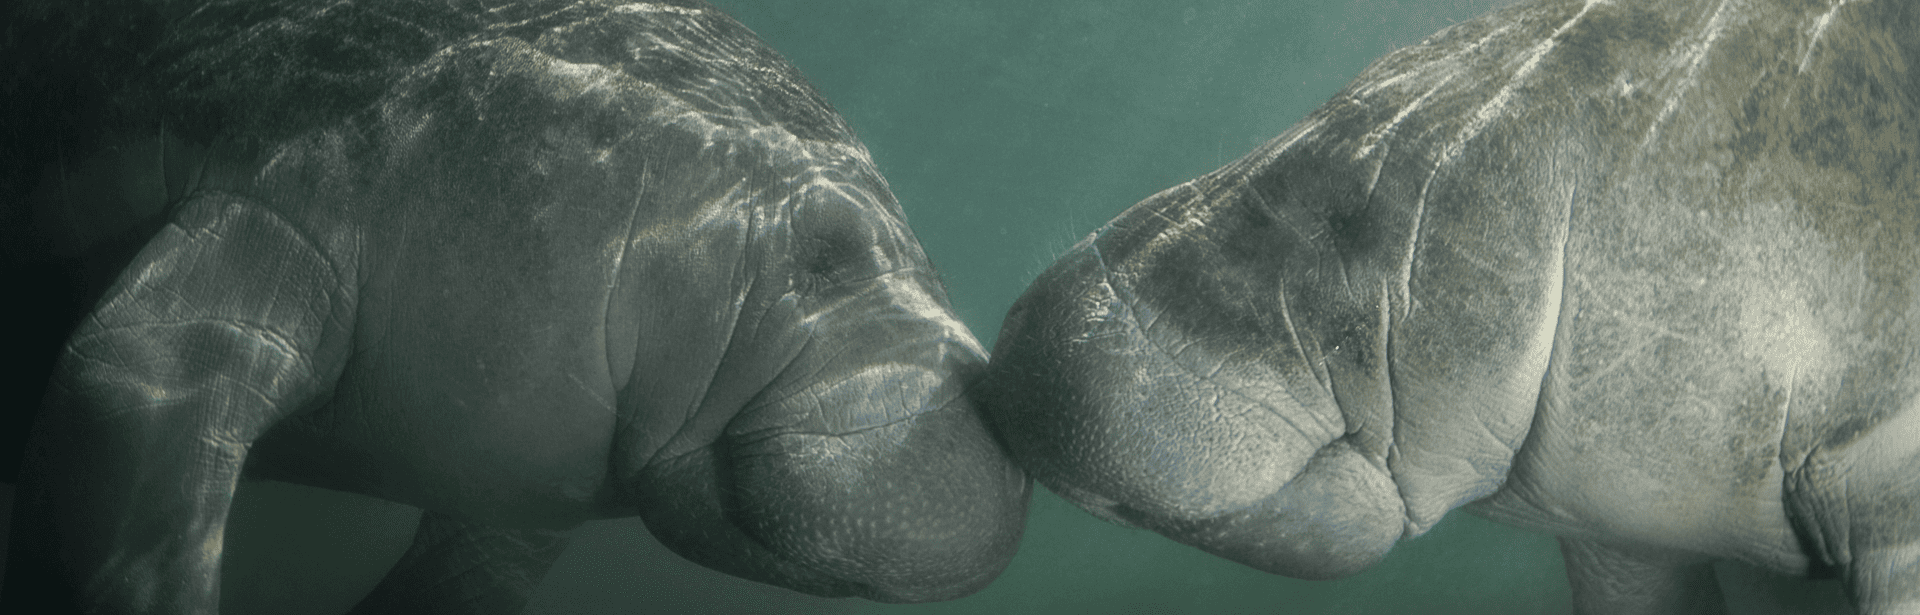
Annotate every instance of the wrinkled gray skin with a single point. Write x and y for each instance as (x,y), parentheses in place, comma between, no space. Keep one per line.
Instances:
(521,267)
(1640,274)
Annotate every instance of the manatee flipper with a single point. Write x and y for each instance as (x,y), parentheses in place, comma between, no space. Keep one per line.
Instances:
(226,322)
(1854,506)
(1632,580)
(461,567)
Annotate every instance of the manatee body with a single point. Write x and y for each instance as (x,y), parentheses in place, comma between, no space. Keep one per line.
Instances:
(1639,274)
(521,266)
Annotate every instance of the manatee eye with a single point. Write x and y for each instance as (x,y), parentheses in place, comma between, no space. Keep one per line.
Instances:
(835,257)
(835,243)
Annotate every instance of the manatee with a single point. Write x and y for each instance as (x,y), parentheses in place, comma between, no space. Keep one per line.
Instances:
(1639,274)
(520,266)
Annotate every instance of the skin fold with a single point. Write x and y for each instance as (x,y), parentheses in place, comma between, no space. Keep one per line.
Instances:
(521,266)
(1638,274)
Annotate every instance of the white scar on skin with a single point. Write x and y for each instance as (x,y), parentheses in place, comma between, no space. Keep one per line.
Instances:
(582,78)
(647,7)
(1413,241)
(1422,71)
(1310,126)
(1498,103)
(1292,136)
(1372,138)
(1820,28)
(664,44)
(1714,27)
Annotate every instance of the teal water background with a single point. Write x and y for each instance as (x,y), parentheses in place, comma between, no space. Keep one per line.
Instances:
(1009,129)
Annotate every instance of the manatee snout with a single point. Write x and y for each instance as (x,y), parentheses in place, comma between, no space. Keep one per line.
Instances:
(866,459)
(1215,432)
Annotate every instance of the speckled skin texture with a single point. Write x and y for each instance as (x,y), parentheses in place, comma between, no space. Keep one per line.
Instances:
(1639,274)
(520,265)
